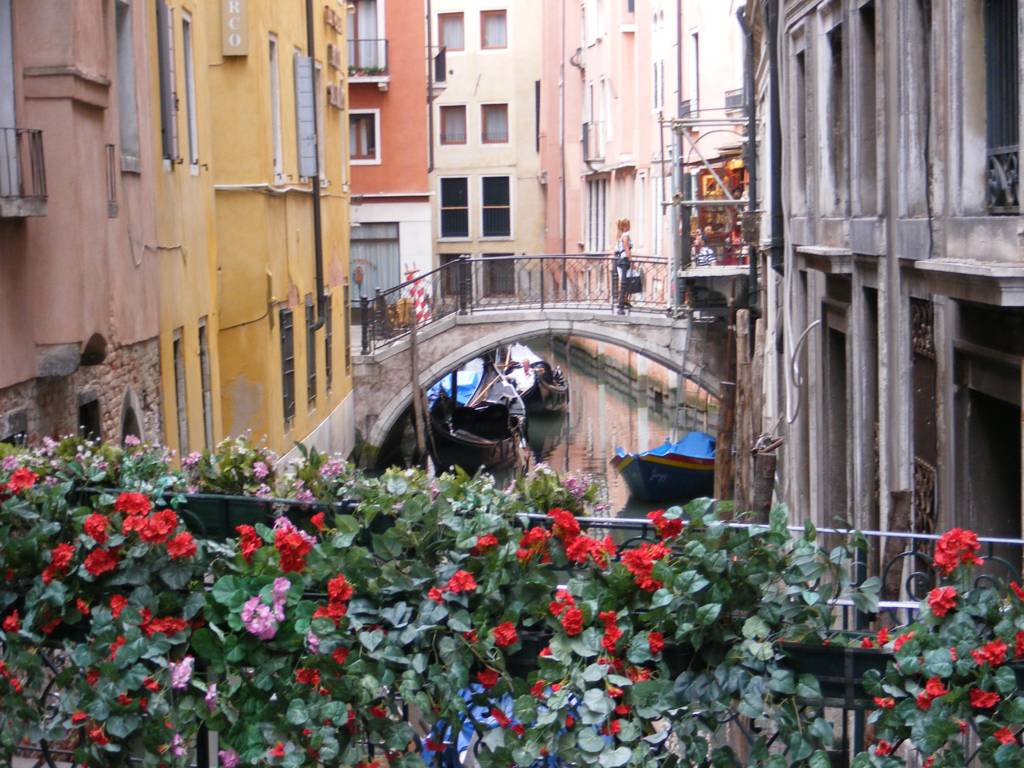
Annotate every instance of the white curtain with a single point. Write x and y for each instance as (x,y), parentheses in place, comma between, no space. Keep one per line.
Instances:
(496,123)
(453,125)
(451,31)
(494,30)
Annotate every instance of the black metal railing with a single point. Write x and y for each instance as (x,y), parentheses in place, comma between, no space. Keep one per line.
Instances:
(1002,107)
(593,142)
(22,167)
(499,282)
(367,57)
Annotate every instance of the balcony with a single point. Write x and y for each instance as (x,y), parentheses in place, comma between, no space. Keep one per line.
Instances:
(593,142)
(22,173)
(368,61)
(439,61)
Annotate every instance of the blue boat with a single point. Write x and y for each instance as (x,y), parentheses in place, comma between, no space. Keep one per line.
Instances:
(674,472)
(468,377)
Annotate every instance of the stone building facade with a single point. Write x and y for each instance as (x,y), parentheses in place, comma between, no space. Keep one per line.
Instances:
(78,262)
(892,249)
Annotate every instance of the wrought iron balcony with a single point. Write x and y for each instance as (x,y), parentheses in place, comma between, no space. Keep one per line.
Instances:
(22,173)
(1003,180)
(593,142)
(367,59)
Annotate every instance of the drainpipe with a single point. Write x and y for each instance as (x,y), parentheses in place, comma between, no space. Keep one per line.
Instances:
(777,245)
(561,137)
(430,91)
(318,247)
(750,155)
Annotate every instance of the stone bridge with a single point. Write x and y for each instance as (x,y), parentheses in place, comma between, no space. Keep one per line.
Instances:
(383,383)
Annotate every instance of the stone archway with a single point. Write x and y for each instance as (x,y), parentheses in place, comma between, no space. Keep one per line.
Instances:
(131,422)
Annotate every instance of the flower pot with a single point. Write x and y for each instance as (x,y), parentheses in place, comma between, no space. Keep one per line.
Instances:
(838,669)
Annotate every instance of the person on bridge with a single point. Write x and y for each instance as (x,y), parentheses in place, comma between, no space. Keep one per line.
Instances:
(623,256)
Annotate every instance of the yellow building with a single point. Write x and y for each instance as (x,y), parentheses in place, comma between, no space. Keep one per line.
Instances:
(237,223)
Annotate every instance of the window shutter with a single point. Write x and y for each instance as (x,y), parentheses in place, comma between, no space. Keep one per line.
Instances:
(167,132)
(305,116)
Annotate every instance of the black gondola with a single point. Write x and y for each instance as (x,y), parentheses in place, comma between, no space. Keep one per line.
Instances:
(542,388)
(488,432)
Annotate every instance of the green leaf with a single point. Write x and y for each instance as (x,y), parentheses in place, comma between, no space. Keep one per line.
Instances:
(807,688)
(297,714)
(589,740)
(494,739)
(708,614)
(205,644)
(616,757)
(756,628)
(371,640)
(597,701)
(594,672)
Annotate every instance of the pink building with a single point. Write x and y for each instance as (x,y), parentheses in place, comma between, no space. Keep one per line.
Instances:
(78,265)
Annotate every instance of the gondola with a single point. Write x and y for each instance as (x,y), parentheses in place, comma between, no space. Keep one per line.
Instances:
(488,432)
(674,472)
(542,388)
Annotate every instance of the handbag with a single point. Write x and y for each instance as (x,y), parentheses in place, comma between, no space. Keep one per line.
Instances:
(634,282)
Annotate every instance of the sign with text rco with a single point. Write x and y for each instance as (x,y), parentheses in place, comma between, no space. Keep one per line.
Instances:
(235,27)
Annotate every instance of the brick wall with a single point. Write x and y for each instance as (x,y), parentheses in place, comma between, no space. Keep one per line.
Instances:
(129,378)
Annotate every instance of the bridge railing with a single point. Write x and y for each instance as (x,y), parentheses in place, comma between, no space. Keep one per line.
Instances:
(500,282)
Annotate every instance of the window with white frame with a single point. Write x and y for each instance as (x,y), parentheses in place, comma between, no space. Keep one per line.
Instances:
(190,89)
(597,216)
(364,137)
(496,206)
(128,115)
(455,207)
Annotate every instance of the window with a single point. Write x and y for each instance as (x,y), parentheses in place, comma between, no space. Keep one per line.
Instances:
(455,207)
(493,32)
(190,90)
(90,425)
(204,374)
(597,222)
(310,353)
(453,125)
(128,115)
(1002,105)
(180,391)
(836,113)
(287,366)
(695,71)
(275,111)
(375,256)
(606,106)
(168,97)
(536,115)
(328,342)
(450,31)
(494,123)
(497,207)
(321,125)
(364,137)
(499,274)
(800,135)
(630,6)
(347,318)
(867,111)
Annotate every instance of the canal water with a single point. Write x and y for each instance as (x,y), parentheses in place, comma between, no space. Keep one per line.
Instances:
(615,401)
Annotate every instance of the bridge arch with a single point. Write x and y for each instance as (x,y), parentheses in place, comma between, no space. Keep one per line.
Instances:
(455,341)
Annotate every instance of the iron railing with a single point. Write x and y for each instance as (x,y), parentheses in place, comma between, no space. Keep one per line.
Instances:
(465,285)
(367,57)
(1002,65)
(22,166)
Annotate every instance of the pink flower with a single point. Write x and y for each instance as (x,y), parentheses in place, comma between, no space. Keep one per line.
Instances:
(181,672)
(228,758)
(259,618)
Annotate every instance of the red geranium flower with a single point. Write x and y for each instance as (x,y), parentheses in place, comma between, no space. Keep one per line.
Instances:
(79,717)
(665,527)
(983,699)
(318,521)
(484,543)
(902,640)
(159,526)
(82,606)
(505,634)
(92,676)
(534,543)
(278,750)
(98,736)
(640,563)
(942,600)
(131,503)
(182,545)
(1005,736)
(12,623)
(22,479)
(1018,644)
(572,621)
(488,678)
(307,676)
(566,526)
(883,636)
(339,590)
(436,595)
(583,547)
(60,560)
(96,527)
(378,711)
(100,561)
(655,642)
(867,642)
(462,581)
(885,702)
(167,625)
(502,719)
(883,748)
(117,604)
(935,688)
(116,646)
(537,689)
(612,633)
(957,547)
(339,655)
(249,541)
(1017,590)
(993,653)
(292,548)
